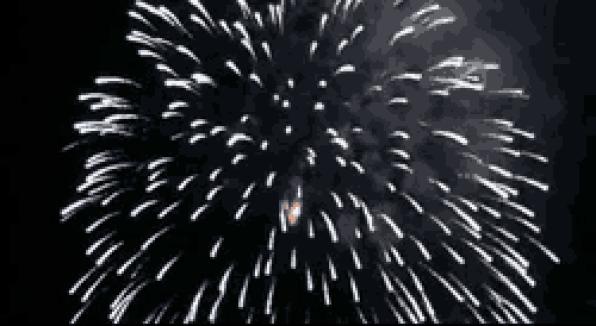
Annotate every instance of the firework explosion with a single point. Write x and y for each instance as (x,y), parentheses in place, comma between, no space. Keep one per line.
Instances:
(305,161)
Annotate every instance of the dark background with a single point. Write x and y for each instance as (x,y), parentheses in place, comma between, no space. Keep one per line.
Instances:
(60,46)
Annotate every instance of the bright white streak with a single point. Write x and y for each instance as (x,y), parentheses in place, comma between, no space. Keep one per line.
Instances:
(240,211)
(215,248)
(356,259)
(198,212)
(330,227)
(166,268)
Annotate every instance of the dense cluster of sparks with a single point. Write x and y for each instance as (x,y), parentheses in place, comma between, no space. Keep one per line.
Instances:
(263,170)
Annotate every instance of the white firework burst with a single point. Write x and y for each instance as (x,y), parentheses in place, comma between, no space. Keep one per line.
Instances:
(306,161)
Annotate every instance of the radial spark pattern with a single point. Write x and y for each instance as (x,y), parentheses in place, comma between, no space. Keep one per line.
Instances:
(306,161)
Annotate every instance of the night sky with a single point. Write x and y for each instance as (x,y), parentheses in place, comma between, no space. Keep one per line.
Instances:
(59,46)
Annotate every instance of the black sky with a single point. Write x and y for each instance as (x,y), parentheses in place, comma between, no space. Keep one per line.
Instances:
(60,45)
